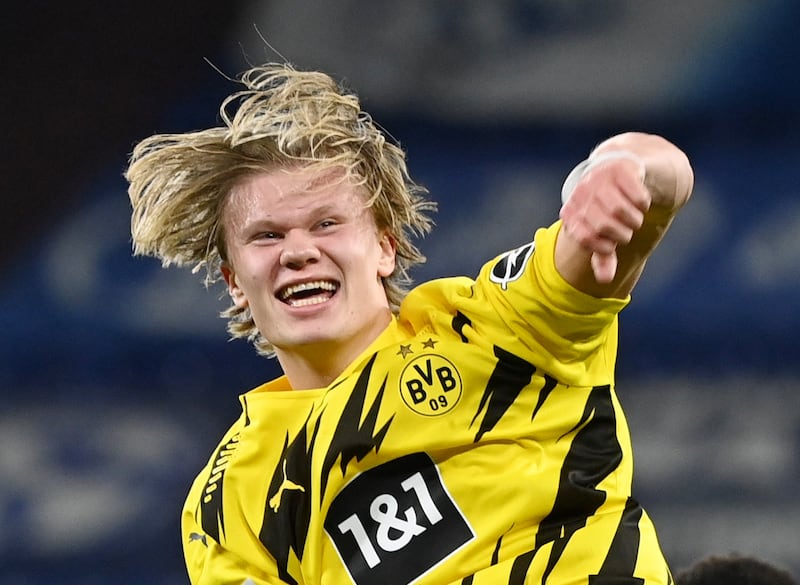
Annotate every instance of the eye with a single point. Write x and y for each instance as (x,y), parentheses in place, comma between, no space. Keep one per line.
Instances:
(267,236)
(326,223)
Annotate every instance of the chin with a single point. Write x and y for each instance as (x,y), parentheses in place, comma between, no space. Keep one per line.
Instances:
(298,338)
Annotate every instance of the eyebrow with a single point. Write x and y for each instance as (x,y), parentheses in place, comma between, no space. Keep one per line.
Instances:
(315,213)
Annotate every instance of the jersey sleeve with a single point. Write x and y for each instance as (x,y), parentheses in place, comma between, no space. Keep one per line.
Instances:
(209,563)
(568,332)
(219,544)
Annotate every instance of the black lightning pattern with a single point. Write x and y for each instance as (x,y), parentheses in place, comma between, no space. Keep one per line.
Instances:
(352,439)
(459,322)
(621,558)
(593,454)
(285,525)
(285,529)
(246,408)
(511,374)
(519,569)
(495,559)
(549,384)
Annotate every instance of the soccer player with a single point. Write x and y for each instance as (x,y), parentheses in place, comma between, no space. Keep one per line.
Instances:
(466,431)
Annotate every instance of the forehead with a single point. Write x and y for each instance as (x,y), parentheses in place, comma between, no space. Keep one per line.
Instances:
(286,192)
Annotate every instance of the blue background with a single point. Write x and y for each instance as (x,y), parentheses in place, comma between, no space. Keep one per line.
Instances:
(117,378)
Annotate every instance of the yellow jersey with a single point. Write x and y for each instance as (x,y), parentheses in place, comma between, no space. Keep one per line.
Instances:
(477,441)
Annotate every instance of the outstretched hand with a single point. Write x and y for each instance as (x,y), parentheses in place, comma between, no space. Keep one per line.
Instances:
(605,208)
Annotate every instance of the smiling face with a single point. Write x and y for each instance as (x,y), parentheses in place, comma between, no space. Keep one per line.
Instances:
(304,254)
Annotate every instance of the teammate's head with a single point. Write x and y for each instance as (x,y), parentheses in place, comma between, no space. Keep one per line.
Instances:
(281,118)
(733,570)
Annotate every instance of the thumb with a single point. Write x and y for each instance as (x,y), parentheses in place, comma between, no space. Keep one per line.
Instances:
(604,266)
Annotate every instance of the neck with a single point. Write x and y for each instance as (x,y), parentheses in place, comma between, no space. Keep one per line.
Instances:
(317,365)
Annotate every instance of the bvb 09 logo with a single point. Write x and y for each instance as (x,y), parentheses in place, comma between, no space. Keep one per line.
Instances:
(430,385)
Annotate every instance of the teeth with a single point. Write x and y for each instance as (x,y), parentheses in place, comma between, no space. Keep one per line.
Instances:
(309,301)
(298,288)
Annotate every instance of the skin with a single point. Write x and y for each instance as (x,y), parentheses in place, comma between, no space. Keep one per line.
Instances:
(310,228)
(618,213)
(285,229)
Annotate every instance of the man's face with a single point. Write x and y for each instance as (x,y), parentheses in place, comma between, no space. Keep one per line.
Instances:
(306,257)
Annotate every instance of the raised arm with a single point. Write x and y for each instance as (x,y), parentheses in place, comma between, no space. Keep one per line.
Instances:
(618,205)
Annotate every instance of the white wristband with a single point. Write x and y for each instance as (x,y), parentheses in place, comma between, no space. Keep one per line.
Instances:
(585,166)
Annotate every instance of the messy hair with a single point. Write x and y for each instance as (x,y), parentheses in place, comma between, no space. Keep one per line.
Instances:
(179,183)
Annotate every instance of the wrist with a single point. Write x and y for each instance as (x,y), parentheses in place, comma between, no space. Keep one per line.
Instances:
(582,168)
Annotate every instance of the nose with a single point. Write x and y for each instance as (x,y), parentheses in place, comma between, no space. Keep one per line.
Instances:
(298,249)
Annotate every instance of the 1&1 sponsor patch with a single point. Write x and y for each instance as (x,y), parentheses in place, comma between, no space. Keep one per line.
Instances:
(395,522)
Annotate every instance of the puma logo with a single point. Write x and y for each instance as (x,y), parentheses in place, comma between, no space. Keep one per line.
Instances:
(287,484)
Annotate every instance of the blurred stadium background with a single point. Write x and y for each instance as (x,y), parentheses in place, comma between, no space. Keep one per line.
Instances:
(117,378)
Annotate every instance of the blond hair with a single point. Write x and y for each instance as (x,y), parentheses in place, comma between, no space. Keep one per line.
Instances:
(178,183)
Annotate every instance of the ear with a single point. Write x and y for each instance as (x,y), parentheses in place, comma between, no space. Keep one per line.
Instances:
(235,292)
(386,262)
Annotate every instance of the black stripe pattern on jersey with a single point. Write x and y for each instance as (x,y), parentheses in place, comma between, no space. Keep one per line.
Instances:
(594,453)
(287,511)
(511,374)
(624,550)
(353,439)
(459,322)
(549,385)
(212,517)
